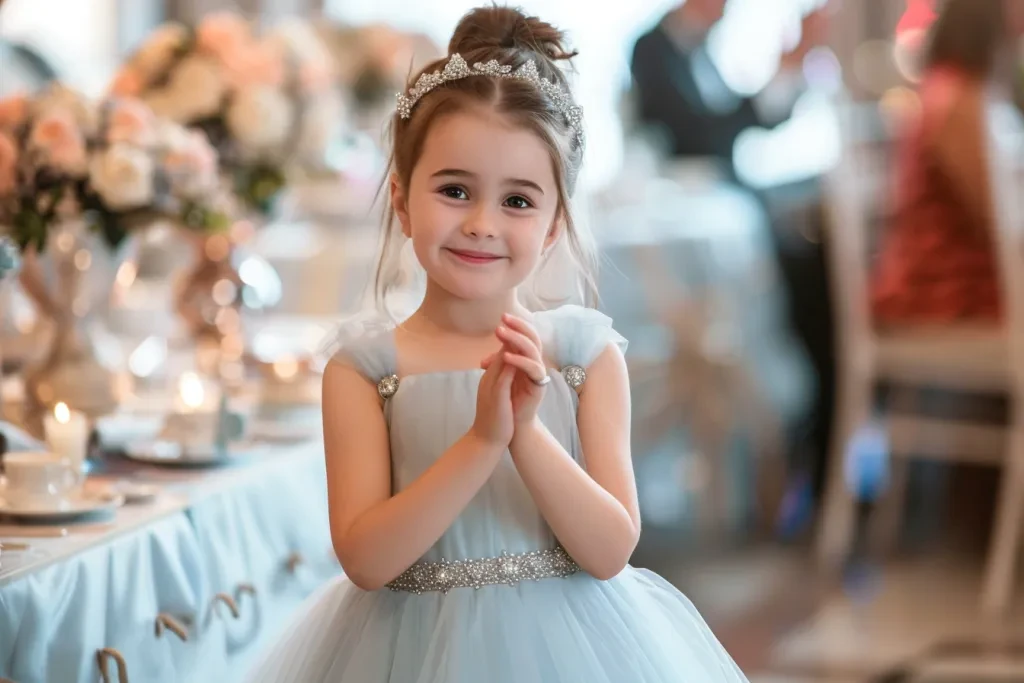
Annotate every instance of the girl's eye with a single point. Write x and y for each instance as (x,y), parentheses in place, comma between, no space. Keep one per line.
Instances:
(453,192)
(518,202)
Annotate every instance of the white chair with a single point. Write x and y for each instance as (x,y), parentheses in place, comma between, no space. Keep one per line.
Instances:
(984,360)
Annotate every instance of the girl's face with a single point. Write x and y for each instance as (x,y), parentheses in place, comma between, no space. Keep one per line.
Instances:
(481,206)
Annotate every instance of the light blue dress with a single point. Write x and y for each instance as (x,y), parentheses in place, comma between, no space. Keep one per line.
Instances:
(634,628)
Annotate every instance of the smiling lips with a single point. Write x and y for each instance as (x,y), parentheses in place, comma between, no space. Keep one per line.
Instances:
(475,257)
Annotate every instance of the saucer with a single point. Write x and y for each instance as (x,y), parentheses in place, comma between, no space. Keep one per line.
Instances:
(78,505)
(176,454)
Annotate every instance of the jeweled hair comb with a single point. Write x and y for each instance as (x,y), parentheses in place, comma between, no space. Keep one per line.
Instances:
(457,68)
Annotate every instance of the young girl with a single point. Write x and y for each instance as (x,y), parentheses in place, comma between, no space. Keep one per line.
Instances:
(481,492)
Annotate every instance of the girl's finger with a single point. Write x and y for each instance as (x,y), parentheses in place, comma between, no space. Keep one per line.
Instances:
(504,385)
(494,365)
(524,327)
(531,368)
(519,342)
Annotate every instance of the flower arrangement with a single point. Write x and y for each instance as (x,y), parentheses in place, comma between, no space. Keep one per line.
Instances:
(114,163)
(267,102)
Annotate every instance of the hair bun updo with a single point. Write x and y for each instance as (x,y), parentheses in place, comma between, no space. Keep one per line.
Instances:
(493,29)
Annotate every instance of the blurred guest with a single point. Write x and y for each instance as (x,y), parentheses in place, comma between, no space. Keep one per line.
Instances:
(682,96)
(937,261)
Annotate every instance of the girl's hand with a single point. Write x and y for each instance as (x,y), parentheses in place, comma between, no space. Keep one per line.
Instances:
(494,423)
(522,350)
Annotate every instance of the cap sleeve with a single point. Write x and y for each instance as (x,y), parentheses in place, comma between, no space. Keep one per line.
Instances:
(364,342)
(578,335)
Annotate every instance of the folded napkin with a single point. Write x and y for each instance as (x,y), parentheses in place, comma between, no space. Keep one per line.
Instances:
(13,438)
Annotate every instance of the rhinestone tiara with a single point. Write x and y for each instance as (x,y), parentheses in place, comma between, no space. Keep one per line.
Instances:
(457,68)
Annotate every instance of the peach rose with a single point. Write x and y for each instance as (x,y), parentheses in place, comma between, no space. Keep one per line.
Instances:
(127,83)
(60,141)
(8,165)
(258,64)
(223,34)
(131,121)
(13,111)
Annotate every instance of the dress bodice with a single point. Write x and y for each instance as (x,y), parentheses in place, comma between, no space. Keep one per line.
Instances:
(427,413)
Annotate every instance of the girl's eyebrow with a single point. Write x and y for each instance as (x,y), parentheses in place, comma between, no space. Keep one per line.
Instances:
(459,173)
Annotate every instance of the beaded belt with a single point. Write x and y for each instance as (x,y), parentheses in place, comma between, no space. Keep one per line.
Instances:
(426,577)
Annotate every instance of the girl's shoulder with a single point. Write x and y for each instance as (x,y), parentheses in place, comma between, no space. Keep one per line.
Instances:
(575,335)
(364,341)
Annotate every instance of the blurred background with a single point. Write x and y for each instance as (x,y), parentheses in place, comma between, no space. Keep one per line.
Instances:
(807,214)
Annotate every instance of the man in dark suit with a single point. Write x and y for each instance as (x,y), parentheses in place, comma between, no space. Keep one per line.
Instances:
(678,91)
(680,94)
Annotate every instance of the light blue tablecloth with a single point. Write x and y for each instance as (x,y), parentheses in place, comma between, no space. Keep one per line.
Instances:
(263,528)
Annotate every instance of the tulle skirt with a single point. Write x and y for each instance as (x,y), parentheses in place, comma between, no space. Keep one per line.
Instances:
(635,628)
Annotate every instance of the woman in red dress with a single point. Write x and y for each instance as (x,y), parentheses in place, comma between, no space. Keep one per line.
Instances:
(937,263)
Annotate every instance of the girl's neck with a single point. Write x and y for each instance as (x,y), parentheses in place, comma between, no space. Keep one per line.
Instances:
(441,312)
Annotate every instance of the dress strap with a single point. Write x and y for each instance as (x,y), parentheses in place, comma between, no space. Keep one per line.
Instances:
(366,343)
(575,337)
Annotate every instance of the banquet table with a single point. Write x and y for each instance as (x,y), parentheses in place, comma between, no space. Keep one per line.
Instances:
(191,586)
(689,275)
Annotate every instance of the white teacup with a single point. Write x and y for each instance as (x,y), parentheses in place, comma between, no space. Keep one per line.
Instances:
(38,480)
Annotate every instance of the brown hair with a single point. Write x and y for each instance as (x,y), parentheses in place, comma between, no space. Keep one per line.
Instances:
(968,34)
(512,38)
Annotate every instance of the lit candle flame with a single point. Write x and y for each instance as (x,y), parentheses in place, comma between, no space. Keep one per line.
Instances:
(190,388)
(62,413)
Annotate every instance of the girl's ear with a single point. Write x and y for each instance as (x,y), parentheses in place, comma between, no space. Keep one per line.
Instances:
(556,230)
(400,203)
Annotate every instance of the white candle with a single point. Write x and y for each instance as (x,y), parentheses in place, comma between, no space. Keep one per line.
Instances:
(196,395)
(67,434)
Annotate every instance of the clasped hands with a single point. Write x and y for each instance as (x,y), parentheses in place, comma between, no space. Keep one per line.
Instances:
(513,383)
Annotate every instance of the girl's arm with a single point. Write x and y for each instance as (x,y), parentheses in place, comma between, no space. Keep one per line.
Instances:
(375,535)
(594,512)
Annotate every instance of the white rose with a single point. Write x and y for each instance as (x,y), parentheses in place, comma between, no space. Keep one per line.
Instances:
(156,54)
(260,118)
(123,177)
(170,135)
(195,91)
(320,122)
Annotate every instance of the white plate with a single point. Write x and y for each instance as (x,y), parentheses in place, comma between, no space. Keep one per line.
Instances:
(158,452)
(121,428)
(84,503)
